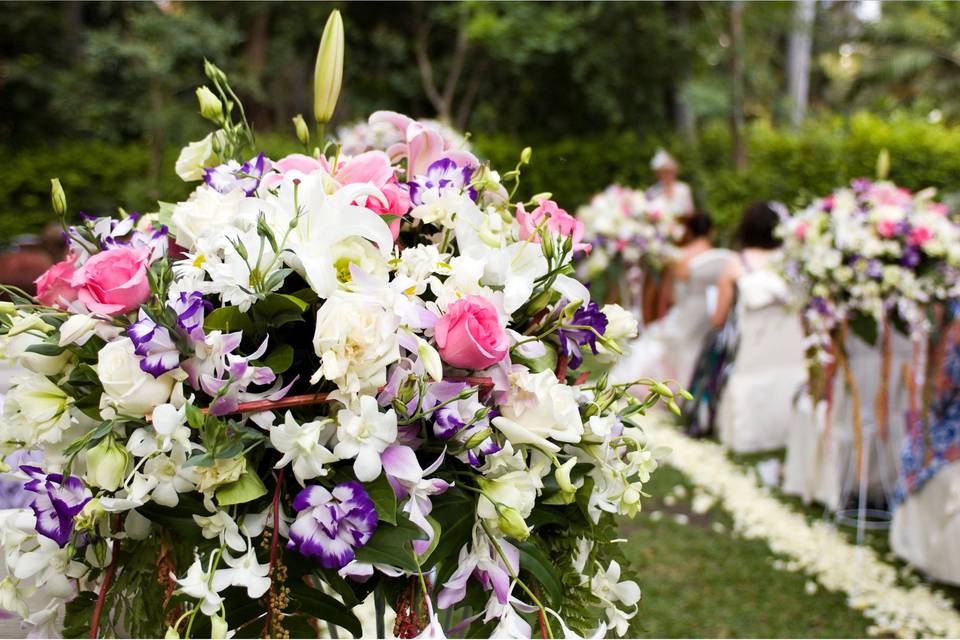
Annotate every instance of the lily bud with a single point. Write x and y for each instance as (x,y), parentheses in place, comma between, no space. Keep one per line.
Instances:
(511,523)
(303,132)
(210,106)
(883,164)
(58,197)
(328,73)
(107,464)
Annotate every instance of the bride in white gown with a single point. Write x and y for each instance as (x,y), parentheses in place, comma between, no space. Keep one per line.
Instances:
(667,348)
(768,369)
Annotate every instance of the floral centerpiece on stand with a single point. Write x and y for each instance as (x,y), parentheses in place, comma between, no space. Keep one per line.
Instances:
(870,258)
(629,234)
(320,378)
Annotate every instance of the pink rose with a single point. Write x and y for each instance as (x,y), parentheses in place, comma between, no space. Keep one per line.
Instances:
(800,230)
(887,228)
(469,335)
(558,221)
(114,281)
(54,287)
(920,236)
(398,204)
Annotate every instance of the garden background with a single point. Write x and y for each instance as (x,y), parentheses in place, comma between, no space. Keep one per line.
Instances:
(758,100)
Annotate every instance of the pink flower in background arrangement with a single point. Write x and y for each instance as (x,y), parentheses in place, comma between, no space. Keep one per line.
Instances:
(558,221)
(920,236)
(887,228)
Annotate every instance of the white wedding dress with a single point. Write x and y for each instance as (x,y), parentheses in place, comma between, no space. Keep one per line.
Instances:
(667,349)
(820,464)
(768,370)
(926,526)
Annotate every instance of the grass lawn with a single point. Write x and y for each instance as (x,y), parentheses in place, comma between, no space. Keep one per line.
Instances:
(702,581)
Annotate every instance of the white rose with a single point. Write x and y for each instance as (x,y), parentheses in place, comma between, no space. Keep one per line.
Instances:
(35,410)
(210,215)
(539,407)
(128,389)
(194,158)
(356,338)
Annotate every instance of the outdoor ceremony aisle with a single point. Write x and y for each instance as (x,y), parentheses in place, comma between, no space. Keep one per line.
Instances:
(721,555)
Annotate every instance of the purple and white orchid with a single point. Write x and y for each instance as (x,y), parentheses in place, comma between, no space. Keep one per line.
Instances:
(57,503)
(410,482)
(586,323)
(331,526)
(481,559)
(460,419)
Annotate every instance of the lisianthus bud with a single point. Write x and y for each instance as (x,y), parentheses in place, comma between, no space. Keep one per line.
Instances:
(328,73)
(171,634)
(7,308)
(525,155)
(58,197)
(303,132)
(511,523)
(77,329)
(210,106)
(107,464)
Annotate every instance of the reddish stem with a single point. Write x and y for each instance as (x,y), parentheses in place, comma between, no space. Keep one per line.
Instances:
(543,624)
(480,381)
(562,368)
(107,579)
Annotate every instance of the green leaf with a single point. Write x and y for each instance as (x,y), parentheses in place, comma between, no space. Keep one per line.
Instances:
(200,460)
(278,309)
(391,545)
(279,360)
(228,320)
(317,604)
(195,417)
(249,487)
(384,499)
(46,349)
(79,611)
(533,559)
(865,327)
(455,512)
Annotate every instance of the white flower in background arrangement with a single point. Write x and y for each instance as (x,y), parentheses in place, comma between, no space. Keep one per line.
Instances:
(307,360)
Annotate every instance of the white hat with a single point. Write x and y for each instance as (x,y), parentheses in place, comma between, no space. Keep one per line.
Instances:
(662,160)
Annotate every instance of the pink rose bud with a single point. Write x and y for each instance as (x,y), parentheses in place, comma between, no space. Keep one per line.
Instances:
(469,335)
(54,287)
(113,282)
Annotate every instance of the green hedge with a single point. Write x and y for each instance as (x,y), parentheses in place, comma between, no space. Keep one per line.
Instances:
(784,165)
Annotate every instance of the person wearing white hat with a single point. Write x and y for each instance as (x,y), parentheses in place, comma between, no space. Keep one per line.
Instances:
(669,192)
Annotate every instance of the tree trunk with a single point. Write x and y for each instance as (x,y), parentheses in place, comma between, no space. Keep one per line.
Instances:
(737,140)
(683,115)
(798,59)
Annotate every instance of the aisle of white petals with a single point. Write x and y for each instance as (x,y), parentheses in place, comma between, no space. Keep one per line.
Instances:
(816,548)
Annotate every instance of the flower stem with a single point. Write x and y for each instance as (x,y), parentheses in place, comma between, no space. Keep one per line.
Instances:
(105,585)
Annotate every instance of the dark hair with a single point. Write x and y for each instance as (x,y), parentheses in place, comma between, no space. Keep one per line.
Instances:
(757,227)
(698,224)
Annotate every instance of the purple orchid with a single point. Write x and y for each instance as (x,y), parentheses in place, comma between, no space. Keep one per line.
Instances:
(111,233)
(441,175)
(57,503)
(190,309)
(485,563)
(233,175)
(331,526)
(154,345)
(461,419)
(228,384)
(578,333)
(410,481)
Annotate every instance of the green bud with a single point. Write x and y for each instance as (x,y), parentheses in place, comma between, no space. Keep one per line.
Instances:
(171,634)
(328,73)
(107,464)
(540,302)
(91,513)
(58,197)
(674,408)
(7,308)
(883,164)
(218,628)
(683,393)
(511,523)
(303,131)
(540,197)
(213,72)
(525,155)
(210,106)
(662,389)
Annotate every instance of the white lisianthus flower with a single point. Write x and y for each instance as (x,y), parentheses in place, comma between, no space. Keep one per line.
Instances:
(419,263)
(356,338)
(539,408)
(303,445)
(35,410)
(195,157)
(15,349)
(128,389)
(440,208)
(621,324)
(364,435)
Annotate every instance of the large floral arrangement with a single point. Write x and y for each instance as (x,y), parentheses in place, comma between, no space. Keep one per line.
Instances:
(870,254)
(320,377)
(628,234)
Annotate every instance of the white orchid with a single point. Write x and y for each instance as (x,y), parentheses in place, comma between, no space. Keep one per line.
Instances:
(364,434)
(303,445)
(245,571)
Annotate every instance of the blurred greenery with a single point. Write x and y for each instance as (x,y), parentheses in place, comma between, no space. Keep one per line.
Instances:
(101,93)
